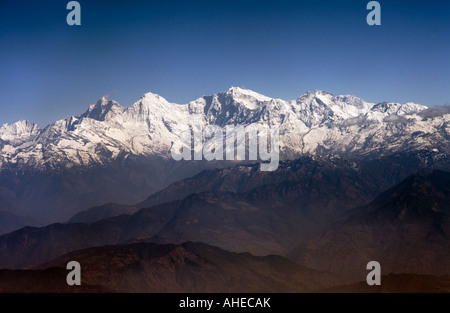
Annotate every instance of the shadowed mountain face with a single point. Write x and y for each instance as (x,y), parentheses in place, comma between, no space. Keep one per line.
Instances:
(244,178)
(101,212)
(269,219)
(285,210)
(406,229)
(266,220)
(369,179)
(30,246)
(10,222)
(189,267)
(56,195)
(146,267)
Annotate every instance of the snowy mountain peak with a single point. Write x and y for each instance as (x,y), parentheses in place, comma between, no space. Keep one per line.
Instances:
(316,98)
(151,101)
(354,101)
(246,94)
(315,123)
(19,131)
(410,108)
(150,112)
(318,92)
(153,97)
(310,95)
(398,108)
(101,108)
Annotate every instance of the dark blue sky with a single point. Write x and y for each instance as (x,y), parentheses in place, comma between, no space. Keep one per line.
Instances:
(185,49)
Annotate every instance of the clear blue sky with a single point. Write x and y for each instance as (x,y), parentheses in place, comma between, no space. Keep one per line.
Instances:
(185,49)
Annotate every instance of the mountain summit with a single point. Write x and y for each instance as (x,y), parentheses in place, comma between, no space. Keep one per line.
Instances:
(99,110)
(316,123)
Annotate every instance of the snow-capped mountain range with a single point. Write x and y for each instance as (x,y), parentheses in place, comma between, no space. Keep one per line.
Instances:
(316,123)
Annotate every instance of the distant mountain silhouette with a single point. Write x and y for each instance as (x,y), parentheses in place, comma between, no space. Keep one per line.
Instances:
(189,267)
(10,222)
(406,229)
(370,177)
(285,209)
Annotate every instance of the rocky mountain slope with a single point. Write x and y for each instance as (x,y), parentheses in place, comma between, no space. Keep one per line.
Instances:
(191,267)
(406,229)
(314,183)
(376,175)
(312,222)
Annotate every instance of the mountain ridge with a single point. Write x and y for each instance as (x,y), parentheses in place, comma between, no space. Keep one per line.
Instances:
(82,161)
(406,228)
(309,222)
(314,123)
(188,267)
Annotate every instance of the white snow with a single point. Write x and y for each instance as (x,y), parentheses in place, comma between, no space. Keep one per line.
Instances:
(342,124)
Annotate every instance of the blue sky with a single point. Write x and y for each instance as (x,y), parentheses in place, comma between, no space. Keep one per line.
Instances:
(185,49)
